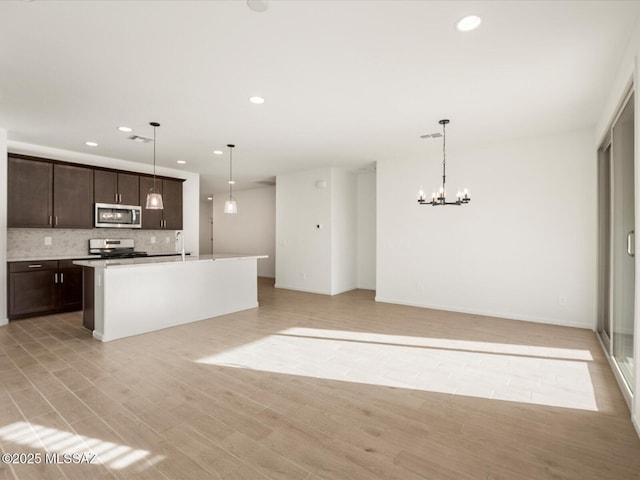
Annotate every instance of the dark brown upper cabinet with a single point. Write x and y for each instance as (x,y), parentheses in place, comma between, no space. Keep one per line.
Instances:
(54,194)
(72,196)
(170,218)
(30,193)
(172,199)
(116,187)
(46,194)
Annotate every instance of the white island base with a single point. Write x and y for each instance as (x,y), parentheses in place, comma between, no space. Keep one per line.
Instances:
(141,295)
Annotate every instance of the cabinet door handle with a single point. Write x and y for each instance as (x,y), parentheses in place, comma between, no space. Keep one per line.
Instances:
(120,197)
(630,249)
(56,219)
(61,277)
(35,265)
(51,220)
(55,278)
(115,197)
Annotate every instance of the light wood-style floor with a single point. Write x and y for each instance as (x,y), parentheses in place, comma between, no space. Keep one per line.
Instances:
(310,386)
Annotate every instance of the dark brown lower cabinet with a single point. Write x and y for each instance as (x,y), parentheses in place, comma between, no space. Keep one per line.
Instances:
(70,285)
(44,287)
(88,305)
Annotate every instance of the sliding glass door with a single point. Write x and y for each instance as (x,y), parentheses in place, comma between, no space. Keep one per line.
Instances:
(623,240)
(617,242)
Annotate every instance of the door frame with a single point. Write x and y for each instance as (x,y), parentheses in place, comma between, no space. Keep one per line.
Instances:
(606,343)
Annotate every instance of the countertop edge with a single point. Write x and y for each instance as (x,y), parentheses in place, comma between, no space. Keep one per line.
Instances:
(79,257)
(155,261)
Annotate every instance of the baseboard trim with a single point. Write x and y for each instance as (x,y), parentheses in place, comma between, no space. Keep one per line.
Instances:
(523,318)
(305,290)
(636,423)
(4,322)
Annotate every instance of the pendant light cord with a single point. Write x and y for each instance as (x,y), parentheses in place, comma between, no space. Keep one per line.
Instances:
(154,158)
(155,126)
(444,156)
(230,171)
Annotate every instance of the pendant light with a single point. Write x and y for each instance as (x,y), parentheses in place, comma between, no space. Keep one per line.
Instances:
(230,205)
(462,198)
(154,199)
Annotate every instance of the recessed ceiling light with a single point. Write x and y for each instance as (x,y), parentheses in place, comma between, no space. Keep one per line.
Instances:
(217,152)
(256,100)
(231,182)
(125,129)
(91,144)
(181,162)
(468,23)
(209,198)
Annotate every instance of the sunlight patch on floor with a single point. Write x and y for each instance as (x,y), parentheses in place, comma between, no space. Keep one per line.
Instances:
(521,373)
(448,343)
(110,454)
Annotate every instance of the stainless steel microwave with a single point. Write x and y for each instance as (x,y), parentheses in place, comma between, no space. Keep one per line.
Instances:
(118,216)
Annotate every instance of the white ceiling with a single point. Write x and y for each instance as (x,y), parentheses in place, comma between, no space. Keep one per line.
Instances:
(346,83)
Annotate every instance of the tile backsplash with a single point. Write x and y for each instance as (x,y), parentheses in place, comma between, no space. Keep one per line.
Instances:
(30,242)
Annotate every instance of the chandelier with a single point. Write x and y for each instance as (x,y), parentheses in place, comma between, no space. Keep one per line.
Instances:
(462,197)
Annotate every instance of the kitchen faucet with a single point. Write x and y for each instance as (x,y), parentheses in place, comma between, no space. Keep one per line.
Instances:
(178,235)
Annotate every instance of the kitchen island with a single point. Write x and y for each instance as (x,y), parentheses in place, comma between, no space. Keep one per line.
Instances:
(132,296)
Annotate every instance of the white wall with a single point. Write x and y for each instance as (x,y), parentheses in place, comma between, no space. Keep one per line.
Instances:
(626,74)
(251,230)
(206,215)
(3,227)
(316,231)
(303,252)
(366,249)
(190,189)
(344,231)
(525,243)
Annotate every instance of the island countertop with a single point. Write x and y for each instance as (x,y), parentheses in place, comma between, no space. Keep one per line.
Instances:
(125,297)
(148,261)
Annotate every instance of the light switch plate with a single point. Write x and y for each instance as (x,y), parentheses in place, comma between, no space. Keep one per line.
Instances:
(153,239)
(48,241)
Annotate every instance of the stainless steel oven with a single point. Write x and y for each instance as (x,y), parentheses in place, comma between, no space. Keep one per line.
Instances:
(118,216)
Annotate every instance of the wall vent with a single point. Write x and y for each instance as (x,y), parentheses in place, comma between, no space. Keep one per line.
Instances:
(431,135)
(270,182)
(140,139)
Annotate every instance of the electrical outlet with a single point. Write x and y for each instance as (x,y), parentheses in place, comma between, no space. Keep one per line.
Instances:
(153,239)
(167,239)
(48,241)
(562,301)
